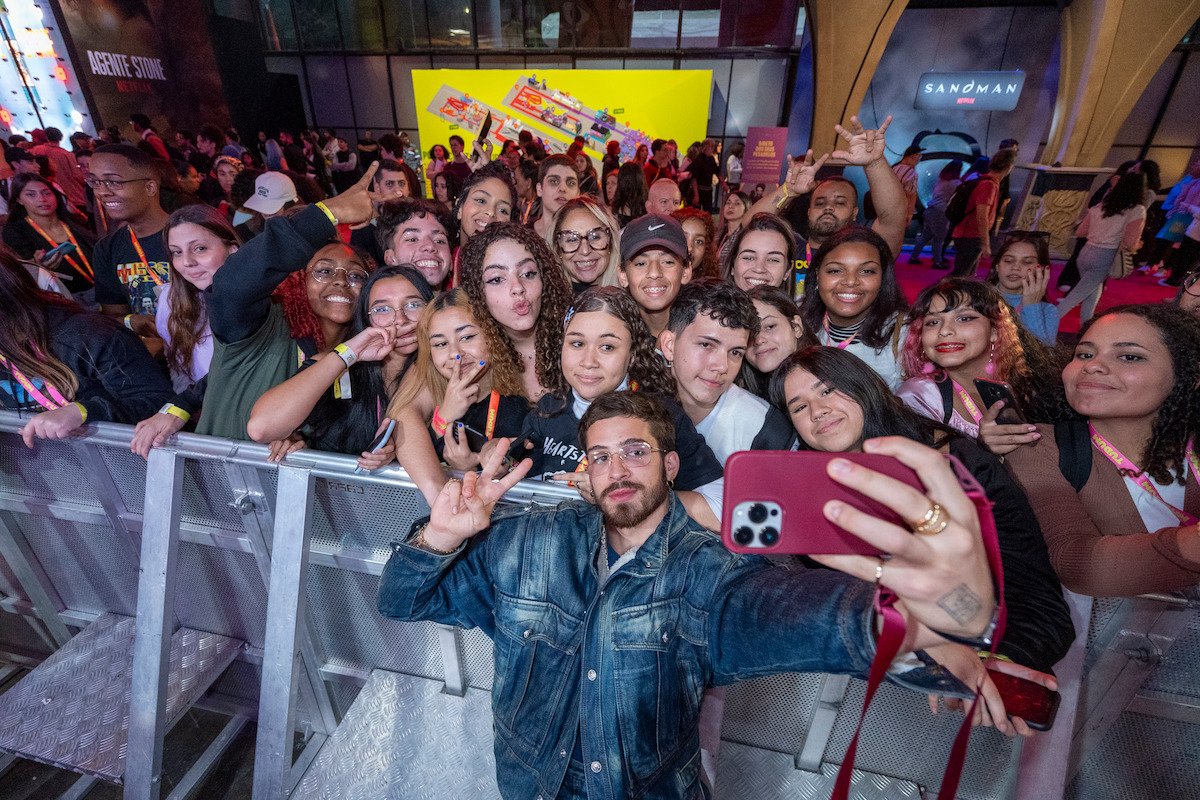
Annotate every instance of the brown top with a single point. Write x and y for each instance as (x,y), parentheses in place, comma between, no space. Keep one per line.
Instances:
(1097,541)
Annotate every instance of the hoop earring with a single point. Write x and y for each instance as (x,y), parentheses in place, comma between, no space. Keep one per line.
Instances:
(990,369)
(670,483)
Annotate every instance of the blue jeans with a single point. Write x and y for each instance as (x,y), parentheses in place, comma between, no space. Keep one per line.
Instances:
(966,257)
(933,233)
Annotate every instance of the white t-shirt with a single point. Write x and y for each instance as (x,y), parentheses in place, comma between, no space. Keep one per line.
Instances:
(201,355)
(733,423)
(1107,232)
(1155,515)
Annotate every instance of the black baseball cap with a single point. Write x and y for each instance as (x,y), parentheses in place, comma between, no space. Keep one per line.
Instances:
(653,230)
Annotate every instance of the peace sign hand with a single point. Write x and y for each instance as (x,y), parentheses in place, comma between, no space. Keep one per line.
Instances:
(862,146)
(464,508)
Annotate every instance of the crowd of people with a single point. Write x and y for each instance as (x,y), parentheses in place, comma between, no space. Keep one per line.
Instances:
(305,294)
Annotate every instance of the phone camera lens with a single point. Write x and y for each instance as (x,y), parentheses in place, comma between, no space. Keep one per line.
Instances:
(769,536)
(757,513)
(743,536)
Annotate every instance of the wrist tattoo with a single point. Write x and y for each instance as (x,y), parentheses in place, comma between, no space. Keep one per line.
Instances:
(961,604)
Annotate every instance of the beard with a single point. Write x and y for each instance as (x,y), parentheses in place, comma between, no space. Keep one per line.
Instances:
(635,511)
(824,225)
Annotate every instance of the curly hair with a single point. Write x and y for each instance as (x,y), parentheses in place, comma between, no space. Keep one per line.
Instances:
(188,321)
(645,365)
(492,169)
(889,303)
(707,268)
(507,364)
(1178,418)
(721,300)
(292,295)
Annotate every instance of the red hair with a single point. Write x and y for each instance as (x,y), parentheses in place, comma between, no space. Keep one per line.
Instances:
(292,294)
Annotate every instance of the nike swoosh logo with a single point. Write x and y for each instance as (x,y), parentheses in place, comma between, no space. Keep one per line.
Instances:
(656,227)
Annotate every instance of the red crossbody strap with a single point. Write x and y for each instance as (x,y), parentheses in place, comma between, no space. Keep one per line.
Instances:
(892,637)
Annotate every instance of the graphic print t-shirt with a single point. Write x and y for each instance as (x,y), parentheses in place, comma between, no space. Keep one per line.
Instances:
(121,276)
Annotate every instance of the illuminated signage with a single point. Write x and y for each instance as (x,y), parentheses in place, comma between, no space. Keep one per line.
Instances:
(973,91)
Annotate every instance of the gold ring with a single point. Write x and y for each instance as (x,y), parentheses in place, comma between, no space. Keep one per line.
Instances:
(453,480)
(879,571)
(934,522)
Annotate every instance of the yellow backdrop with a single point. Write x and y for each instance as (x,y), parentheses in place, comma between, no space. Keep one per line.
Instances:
(631,107)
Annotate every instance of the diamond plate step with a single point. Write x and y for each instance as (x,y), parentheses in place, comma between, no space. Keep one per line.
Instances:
(748,772)
(72,710)
(403,738)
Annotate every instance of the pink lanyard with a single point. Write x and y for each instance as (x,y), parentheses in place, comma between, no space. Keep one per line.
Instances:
(967,402)
(54,401)
(842,345)
(1130,470)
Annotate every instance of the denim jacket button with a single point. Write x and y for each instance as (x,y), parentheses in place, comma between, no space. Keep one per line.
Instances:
(666,637)
(527,634)
(591,674)
(562,753)
(595,766)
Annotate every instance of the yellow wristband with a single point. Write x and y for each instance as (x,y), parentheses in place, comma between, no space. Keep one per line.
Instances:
(82,412)
(785,197)
(126,321)
(175,411)
(328,213)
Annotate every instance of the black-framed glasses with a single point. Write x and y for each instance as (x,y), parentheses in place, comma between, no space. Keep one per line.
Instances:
(110,184)
(631,455)
(383,315)
(355,276)
(1191,282)
(597,239)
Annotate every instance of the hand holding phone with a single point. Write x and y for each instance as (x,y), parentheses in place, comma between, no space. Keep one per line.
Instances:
(992,392)
(64,249)
(379,442)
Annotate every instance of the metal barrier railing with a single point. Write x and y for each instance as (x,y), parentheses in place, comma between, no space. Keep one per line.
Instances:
(285,559)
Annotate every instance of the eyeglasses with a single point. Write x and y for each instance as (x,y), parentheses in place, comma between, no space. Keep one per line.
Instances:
(1190,282)
(631,455)
(383,315)
(355,276)
(110,185)
(597,239)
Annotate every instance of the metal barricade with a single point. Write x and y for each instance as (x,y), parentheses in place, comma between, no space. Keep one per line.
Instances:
(281,563)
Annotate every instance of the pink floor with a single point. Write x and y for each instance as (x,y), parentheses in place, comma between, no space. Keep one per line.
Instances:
(1136,288)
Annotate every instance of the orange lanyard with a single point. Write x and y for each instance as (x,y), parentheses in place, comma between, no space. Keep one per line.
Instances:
(142,255)
(493,408)
(86,269)
(1130,470)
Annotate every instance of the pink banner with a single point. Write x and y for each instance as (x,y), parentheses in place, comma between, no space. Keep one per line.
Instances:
(763,160)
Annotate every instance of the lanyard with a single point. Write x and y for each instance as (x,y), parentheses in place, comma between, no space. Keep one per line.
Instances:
(86,269)
(341,387)
(967,402)
(842,345)
(493,407)
(1130,470)
(142,255)
(54,401)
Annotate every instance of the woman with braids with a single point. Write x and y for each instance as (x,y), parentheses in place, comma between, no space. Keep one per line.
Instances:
(607,347)
(853,301)
(702,250)
(519,296)
(65,366)
(959,330)
(1116,491)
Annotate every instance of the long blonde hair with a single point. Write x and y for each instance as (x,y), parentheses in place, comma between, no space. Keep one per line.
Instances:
(423,374)
(606,219)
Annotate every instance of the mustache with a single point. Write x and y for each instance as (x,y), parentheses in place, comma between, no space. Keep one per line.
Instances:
(622,485)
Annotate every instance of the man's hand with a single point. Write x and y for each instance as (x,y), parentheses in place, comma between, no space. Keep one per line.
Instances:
(464,508)
(943,581)
(862,146)
(802,173)
(56,424)
(356,204)
(1003,439)
(154,432)
(143,325)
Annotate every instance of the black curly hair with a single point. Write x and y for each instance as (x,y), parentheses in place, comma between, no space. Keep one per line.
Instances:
(507,365)
(1178,419)
(646,366)
(492,169)
(716,298)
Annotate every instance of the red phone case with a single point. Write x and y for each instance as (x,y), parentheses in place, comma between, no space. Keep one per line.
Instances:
(1030,701)
(799,485)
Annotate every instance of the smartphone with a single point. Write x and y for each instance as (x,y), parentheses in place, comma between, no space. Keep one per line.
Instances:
(1030,701)
(380,441)
(65,249)
(485,128)
(992,392)
(475,439)
(517,452)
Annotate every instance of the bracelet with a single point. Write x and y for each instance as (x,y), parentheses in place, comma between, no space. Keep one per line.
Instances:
(785,197)
(347,355)
(175,411)
(126,321)
(325,209)
(419,542)
(82,411)
(438,424)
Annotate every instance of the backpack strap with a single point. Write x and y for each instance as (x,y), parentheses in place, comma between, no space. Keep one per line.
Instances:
(947,398)
(1074,452)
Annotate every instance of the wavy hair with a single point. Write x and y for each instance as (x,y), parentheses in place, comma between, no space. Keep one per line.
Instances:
(645,364)
(188,321)
(605,218)
(889,304)
(744,199)
(24,334)
(707,268)
(1178,419)
(507,364)
(424,375)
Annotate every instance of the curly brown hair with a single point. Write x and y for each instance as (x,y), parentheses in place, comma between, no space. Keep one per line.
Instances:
(646,366)
(707,268)
(507,365)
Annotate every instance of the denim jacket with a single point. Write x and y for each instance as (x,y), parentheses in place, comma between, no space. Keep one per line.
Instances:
(624,663)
